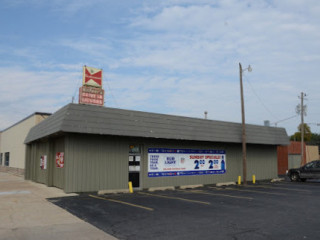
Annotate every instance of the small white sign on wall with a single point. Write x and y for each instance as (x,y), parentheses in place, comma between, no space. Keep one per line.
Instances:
(43,162)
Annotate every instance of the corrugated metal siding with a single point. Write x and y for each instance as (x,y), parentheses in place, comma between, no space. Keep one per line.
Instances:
(96,163)
(33,153)
(58,178)
(27,162)
(262,162)
(32,173)
(41,174)
(282,159)
(294,161)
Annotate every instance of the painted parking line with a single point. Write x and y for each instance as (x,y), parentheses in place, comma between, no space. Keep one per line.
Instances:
(176,198)
(122,202)
(216,194)
(289,183)
(244,190)
(14,192)
(280,188)
(312,184)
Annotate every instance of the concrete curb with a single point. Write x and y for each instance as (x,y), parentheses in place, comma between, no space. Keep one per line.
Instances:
(152,189)
(225,184)
(102,192)
(191,186)
(277,180)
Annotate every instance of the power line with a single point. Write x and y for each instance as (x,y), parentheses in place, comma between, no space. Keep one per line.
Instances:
(264,105)
(114,99)
(275,123)
(76,90)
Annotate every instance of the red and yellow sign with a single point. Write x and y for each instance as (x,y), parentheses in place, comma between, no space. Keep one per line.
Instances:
(92,77)
(59,159)
(91,91)
(91,95)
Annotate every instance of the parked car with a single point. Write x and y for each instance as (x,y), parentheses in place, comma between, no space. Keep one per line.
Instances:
(309,171)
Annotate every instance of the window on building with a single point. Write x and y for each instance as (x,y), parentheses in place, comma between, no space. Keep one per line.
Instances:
(1,159)
(6,158)
(134,149)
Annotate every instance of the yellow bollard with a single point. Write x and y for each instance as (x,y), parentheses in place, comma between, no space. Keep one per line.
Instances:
(254,179)
(239,180)
(130,187)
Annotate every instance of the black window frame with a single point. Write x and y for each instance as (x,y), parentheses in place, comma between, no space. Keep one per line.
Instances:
(1,157)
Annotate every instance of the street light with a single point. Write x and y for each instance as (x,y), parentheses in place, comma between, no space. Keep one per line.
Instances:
(244,147)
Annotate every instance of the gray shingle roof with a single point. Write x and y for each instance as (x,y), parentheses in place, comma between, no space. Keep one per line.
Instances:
(76,118)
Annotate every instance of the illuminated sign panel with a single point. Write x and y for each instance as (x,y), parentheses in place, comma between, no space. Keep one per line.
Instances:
(92,77)
(91,95)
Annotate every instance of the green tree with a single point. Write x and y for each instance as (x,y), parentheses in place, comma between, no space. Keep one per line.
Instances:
(307,133)
(315,139)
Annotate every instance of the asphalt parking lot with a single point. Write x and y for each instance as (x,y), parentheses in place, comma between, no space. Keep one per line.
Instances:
(282,210)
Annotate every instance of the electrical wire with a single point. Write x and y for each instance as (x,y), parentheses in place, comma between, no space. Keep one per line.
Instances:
(76,91)
(275,123)
(254,92)
(114,99)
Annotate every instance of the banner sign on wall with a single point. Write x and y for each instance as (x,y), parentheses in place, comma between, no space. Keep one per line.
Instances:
(43,162)
(59,159)
(165,162)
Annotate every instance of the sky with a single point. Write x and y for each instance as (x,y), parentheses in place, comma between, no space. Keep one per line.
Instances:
(178,57)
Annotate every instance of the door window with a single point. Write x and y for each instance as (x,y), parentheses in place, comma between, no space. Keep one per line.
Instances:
(134,165)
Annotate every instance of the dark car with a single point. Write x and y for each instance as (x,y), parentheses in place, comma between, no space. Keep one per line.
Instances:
(309,171)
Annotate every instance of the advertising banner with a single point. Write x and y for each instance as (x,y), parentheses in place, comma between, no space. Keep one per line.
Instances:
(165,162)
(59,159)
(91,95)
(92,77)
(43,162)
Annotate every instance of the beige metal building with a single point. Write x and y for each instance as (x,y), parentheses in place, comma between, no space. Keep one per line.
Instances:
(312,153)
(12,147)
(83,148)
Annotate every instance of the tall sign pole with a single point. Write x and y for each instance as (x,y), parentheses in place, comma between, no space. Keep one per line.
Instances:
(244,147)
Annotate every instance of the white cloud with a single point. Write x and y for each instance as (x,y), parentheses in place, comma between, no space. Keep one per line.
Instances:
(69,7)
(208,40)
(27,92)
(180,57)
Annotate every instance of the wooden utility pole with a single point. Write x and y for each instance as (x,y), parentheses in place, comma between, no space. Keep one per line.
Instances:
(244,147)
(302,111)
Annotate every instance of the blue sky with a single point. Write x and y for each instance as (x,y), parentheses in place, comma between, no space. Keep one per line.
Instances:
(176,57)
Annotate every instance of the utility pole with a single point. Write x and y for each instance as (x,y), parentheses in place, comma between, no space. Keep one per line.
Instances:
(244,146)
(302,112)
